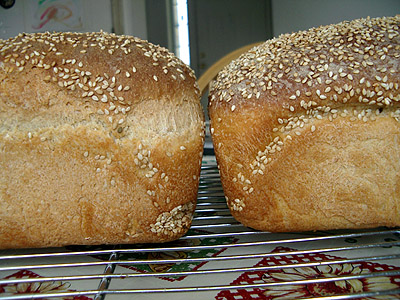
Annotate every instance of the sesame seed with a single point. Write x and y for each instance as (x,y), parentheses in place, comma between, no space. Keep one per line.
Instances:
(182,148)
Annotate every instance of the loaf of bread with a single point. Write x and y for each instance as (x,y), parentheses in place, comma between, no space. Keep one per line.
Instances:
(306,129)
(101,141)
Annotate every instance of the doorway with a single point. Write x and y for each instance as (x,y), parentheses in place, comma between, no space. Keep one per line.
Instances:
(217,27)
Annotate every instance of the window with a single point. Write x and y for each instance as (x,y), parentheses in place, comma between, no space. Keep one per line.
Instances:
(181,30)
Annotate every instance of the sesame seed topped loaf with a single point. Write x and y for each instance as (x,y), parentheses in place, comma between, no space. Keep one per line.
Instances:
(306,129)
(101,141)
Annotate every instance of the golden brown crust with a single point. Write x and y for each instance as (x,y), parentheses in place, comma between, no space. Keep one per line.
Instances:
(306,129)
(101,141)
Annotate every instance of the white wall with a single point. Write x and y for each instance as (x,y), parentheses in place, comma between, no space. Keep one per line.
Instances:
(77,15)
(294,15)
(94,15)
(134,18)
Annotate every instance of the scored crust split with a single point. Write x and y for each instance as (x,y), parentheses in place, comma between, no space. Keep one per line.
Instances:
(101,141)
(306,129)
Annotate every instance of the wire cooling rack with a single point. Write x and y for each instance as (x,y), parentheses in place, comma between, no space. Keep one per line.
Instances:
(217,259)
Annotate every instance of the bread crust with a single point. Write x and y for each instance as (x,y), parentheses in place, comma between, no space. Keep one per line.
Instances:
(101,141)
(306,129)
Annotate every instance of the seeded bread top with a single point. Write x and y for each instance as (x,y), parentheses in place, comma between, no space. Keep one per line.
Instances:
(331,62)
(109,73)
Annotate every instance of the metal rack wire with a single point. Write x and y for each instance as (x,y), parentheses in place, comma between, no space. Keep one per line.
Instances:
(217,259)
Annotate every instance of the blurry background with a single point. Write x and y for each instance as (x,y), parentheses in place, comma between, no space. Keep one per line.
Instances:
(198,31)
